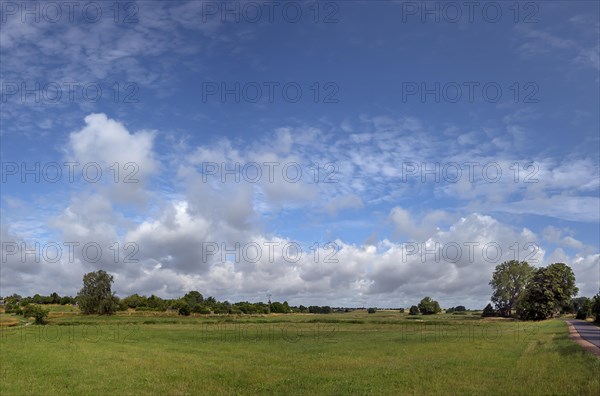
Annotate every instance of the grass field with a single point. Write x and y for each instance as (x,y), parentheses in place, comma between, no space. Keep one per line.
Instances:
(345,353)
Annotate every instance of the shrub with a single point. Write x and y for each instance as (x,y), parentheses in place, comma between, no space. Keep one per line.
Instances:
(184,310)
(372,310)
(414,310)
(40,314)
(581,315)
(182,307)
(121,306)
(488,311)
(16,311)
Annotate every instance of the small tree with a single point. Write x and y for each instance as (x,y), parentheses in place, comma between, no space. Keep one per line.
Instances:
(414,310)
(581,306)
(40,314)
(96,297)
(182,307)
(193,298)
(429,306)
(277,307)
(488,311)
(184,310)
(372,310)
(55,298)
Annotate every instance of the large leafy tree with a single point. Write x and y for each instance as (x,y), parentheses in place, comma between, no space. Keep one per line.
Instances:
(96,296)
(509,282)
(550,289)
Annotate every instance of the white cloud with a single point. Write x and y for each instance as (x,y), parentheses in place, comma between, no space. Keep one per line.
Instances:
(173,229)
(124,157)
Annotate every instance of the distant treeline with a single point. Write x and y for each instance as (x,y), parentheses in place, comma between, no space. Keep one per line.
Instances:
(192,302)
(519,290)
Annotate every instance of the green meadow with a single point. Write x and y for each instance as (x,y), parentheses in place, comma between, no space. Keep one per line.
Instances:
(299,354)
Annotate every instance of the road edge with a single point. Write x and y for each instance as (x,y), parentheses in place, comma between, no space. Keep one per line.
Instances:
(575,336)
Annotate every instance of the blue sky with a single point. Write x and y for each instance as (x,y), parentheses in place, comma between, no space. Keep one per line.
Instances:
(379,104)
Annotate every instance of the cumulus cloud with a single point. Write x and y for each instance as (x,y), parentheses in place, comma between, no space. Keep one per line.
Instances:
(205,232)
(126,160)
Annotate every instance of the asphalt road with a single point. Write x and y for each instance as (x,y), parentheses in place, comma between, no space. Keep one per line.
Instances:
(588,331)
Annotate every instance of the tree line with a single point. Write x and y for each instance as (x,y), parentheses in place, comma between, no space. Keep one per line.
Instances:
(96,297)
(519,290)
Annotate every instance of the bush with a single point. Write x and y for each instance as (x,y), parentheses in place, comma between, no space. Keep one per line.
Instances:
(401,310)
(13,308)
(488,311)
(581,315)
(40,314)
(121,306)
(184,310)
(204,311)
(372,310)
(182,307)
(414,310)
